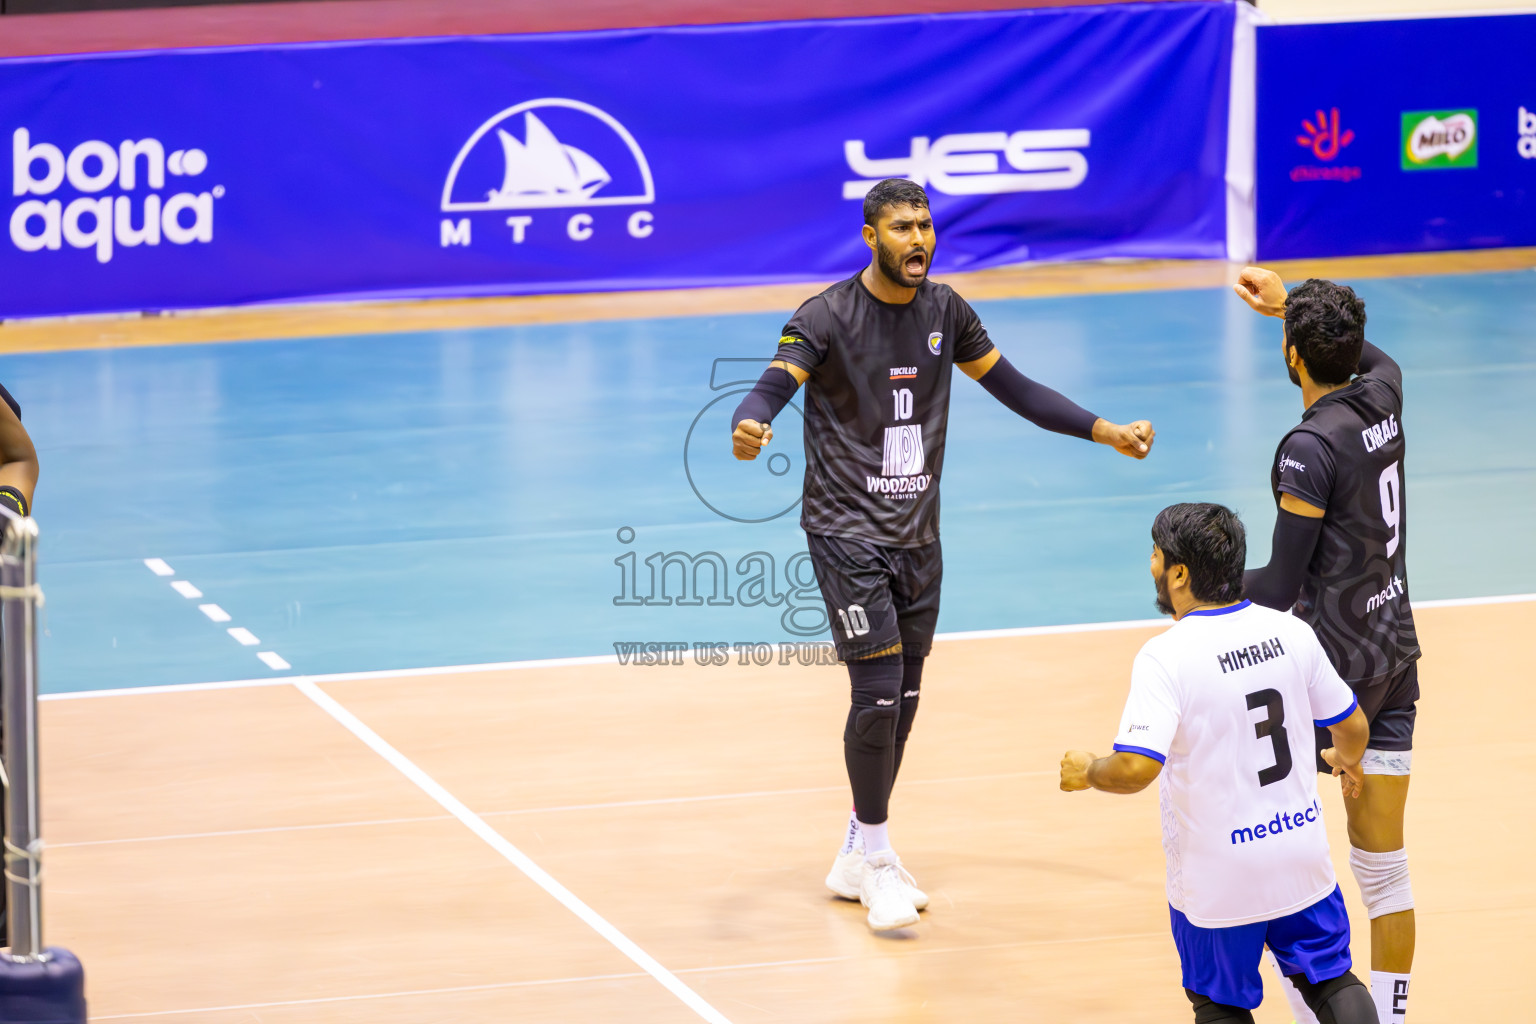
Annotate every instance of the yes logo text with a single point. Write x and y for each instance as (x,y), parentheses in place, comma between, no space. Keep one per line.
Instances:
(967,164)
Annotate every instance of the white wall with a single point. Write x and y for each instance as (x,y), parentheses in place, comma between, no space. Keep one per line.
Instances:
(1349,10)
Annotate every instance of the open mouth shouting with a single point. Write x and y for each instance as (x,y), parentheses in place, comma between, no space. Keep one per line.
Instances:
(915,263)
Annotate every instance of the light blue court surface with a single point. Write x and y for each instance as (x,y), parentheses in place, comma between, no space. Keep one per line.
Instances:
(459,497)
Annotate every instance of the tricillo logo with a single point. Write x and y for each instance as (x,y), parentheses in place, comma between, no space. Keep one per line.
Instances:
(1326,137)
(554,155)
(118,201)
(1439,139)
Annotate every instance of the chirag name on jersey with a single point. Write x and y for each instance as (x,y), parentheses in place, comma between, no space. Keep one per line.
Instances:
(1226,700)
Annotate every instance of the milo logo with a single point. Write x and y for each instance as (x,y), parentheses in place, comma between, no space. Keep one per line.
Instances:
(1436,139)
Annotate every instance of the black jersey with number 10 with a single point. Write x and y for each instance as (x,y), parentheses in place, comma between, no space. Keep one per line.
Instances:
(877,407)
(1346,457)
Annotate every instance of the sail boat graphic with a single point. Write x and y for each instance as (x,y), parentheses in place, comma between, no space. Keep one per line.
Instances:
(543,166)
(542,172)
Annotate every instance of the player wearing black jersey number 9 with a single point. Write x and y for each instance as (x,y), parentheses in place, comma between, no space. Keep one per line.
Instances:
(1339,558)
(876,355)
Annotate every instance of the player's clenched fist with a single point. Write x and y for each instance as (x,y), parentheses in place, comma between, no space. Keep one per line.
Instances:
(1133,439)
(1074,770)
(749,438)
(1262,289)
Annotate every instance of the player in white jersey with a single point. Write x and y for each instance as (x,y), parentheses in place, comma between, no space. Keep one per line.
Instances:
(1221,708)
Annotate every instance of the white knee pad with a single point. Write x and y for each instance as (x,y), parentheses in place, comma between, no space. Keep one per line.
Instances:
(1383,881)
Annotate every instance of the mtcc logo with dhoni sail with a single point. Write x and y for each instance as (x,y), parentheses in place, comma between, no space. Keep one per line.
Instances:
(555,155)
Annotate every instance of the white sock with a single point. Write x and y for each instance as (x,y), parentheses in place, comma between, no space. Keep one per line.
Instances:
(875,839)
(1390,993)
(852,837)
(1300,1013)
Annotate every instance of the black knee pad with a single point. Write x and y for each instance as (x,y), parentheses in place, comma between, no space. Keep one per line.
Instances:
(871,730)
(876,682)
(1341,1000)
(911,690)
(1208,1011)
(876,703)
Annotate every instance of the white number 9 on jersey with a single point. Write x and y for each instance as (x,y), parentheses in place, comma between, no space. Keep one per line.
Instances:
(1392,505)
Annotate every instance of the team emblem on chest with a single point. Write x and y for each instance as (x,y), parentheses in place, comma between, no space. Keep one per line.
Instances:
(935,342)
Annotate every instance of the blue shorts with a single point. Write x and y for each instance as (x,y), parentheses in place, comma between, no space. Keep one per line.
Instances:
(1222,964)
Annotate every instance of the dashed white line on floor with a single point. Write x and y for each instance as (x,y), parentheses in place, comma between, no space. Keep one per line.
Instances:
(239,634)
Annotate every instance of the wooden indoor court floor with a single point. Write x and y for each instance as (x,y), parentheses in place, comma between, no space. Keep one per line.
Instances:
(276,853)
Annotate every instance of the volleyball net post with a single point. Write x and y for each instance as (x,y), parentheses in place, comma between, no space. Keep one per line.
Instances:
(19,596)
(37,983)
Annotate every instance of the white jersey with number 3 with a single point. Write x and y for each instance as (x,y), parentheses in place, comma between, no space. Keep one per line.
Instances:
(1226,700)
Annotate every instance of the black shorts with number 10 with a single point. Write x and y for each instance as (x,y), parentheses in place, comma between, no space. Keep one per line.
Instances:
(878,596)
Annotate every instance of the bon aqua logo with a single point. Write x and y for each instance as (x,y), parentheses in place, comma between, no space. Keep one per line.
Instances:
(103,197)
(1439,139)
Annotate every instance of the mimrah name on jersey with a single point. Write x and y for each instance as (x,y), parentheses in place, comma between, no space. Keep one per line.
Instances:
(1253,654)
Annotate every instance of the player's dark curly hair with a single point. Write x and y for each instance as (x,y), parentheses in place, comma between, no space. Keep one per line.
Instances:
(1326,323)
(893,192)
(1210,542)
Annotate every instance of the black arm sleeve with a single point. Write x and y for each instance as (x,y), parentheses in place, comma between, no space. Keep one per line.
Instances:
(774,390)
(1278,584)
(1378,364)
(1037,403)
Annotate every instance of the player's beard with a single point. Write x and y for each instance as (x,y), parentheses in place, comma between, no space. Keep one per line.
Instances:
(894,268)
(1291,372)
(1164,603)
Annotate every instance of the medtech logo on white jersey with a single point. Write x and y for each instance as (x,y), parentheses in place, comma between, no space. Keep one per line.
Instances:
(1227,699)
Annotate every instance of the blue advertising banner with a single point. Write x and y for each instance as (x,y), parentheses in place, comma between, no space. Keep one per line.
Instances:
(607,160)
(1396,136)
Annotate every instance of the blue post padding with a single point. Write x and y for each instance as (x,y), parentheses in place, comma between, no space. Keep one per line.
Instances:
(46,992)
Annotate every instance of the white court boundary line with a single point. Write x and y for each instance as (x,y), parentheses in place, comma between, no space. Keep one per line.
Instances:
(518,858)
(610,659)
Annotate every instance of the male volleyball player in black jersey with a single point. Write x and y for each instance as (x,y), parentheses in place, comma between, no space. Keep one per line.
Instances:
(875,352)
(1339,557)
